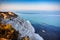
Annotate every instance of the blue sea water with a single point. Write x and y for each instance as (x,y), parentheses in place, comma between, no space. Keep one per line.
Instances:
(48,17)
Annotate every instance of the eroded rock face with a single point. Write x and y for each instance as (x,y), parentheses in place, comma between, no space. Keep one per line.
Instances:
(21,29)
(8,31)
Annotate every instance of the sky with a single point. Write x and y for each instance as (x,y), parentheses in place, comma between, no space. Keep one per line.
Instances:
(17,5)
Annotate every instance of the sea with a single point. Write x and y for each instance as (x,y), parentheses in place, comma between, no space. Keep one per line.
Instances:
(46,23)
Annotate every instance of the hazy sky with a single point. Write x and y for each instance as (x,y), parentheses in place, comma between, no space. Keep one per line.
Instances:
(17,5)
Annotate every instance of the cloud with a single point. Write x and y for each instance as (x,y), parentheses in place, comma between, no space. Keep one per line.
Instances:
(37,6)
